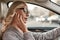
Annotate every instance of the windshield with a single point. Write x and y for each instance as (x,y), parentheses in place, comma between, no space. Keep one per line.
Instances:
(41,17)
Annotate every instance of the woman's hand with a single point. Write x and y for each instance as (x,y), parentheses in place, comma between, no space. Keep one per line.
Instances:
(23,25)
(20,23)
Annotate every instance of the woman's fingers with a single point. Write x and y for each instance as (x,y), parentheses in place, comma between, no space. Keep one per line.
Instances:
(20,22)
(21,18)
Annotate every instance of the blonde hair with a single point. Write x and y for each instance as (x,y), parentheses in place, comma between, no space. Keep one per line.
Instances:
(10,14)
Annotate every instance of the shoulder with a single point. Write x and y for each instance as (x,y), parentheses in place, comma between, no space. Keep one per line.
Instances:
(10,35)
(10,31)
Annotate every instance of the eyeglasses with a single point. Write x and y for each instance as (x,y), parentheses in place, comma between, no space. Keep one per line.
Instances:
(25,10)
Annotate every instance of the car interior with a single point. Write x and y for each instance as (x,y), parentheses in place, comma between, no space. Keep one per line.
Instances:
(44,15)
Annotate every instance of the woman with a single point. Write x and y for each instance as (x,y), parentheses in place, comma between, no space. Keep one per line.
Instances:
(14,23)
(15,29)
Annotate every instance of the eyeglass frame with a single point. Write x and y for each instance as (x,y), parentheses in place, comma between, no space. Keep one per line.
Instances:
(24,9)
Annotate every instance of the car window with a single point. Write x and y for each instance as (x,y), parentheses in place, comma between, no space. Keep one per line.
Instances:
(41,17)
